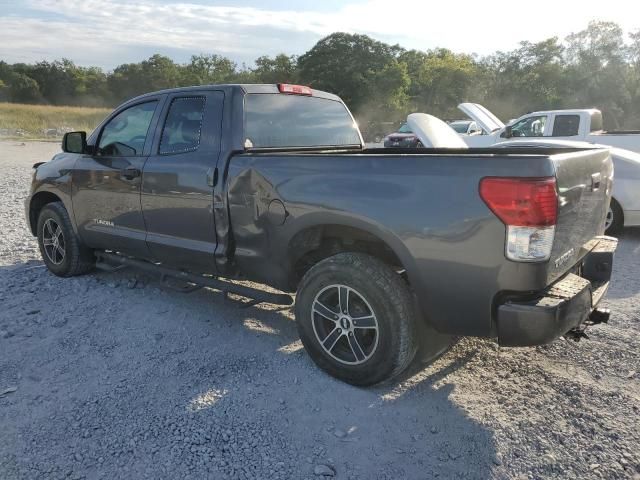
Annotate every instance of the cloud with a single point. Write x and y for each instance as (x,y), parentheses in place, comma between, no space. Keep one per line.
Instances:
(108,32)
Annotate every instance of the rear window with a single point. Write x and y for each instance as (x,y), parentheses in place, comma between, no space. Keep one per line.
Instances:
(566,125)
(277,120)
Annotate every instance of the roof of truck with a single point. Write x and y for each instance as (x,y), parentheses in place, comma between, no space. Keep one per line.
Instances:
(246,87)
(575,111)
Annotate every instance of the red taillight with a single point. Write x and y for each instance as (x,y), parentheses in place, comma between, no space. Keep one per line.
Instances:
(294,89)
(521,201)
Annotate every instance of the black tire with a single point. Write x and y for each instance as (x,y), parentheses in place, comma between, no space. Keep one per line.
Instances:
(393,308)
(617,222)
(76,259)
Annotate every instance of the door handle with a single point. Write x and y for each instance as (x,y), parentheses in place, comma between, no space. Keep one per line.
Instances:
(130,173)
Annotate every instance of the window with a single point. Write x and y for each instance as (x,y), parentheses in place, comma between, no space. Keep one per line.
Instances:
(529,127)
(404,128)
(566,125)
(277,120)
(461,127)
(183,126)
(125,134)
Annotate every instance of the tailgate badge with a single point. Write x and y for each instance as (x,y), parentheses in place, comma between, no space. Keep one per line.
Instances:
(564,258)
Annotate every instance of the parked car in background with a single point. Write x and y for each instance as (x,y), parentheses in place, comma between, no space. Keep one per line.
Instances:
(465,127)
(624,210)
(272,183)
(403,137)
(577,125)
(374,132)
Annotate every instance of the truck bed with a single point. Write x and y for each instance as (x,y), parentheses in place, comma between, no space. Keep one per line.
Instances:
(424,204)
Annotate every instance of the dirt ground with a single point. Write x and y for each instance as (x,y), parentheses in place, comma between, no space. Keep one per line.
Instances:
(101,377)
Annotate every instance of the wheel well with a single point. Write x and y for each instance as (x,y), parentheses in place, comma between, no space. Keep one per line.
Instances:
(314,244)
(38,202)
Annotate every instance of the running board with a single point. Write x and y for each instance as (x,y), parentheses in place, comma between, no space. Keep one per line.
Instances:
(256,296)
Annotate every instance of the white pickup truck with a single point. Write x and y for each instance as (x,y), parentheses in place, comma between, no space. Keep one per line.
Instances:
(582,125)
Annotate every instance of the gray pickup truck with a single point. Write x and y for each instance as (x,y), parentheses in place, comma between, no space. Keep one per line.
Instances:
(386,249)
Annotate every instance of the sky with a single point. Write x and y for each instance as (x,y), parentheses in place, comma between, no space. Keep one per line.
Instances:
(107,33)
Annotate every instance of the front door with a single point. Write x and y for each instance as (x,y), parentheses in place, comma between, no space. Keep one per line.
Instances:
(178,180)
(106,197)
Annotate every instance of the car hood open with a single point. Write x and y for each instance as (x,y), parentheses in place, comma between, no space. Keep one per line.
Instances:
(433,132)
(483,117)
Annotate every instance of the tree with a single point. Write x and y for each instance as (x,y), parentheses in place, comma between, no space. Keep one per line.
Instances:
(596,69)
(280,69)
(439,80)
(24,89)
(208,69)
(531,77)
(156,73)
(353,67)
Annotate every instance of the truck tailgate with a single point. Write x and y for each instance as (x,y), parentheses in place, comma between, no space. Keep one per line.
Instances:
(584,180)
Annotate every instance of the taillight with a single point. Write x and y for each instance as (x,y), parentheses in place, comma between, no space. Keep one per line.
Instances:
(529,209)
(294,89)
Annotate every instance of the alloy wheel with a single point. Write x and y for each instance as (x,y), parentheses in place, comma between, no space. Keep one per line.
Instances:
(344,324)
(53,241)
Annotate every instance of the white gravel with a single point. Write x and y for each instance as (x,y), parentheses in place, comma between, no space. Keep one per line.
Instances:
(119,382)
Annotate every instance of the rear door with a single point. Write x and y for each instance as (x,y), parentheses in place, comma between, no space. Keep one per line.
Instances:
(178,180)
(106,197)
(566,126)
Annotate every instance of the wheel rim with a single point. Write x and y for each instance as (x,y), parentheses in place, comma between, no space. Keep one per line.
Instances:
(609,219)
(53,242)
(345,325)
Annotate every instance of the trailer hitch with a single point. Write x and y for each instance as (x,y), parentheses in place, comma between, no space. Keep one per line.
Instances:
(598,315)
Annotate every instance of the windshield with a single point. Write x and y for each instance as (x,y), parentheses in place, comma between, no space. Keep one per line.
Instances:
(460,127)
(278,120)
(404,128)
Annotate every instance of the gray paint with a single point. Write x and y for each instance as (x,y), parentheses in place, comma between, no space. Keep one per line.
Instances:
(423,204)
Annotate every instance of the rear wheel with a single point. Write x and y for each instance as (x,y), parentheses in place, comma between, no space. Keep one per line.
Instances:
(61,249)
(357,319)
(615,218)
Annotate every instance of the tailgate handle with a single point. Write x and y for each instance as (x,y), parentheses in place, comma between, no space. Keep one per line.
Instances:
(595,182)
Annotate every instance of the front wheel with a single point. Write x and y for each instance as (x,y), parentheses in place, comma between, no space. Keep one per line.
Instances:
(357,318)
(61,249)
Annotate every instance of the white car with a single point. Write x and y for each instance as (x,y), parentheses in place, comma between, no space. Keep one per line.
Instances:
(574,125)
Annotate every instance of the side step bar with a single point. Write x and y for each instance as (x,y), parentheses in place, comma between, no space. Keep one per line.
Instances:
(257,296)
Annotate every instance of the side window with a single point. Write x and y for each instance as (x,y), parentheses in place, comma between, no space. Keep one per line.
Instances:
(125,134)
(529,127)
(566,125)
(183,126)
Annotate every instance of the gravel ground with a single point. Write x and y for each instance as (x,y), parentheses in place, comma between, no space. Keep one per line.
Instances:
(105,378)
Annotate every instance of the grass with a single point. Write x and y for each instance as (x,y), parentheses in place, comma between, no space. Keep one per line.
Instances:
(35,120)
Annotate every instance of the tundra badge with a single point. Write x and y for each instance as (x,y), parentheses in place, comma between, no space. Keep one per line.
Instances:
(564,258)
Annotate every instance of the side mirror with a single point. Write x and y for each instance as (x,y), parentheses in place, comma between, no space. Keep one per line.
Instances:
(508,132)
(74,142)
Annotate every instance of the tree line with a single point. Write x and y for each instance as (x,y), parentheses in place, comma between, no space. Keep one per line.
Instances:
(596,67)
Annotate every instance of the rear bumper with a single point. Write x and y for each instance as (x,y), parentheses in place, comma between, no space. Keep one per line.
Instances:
(564,306)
